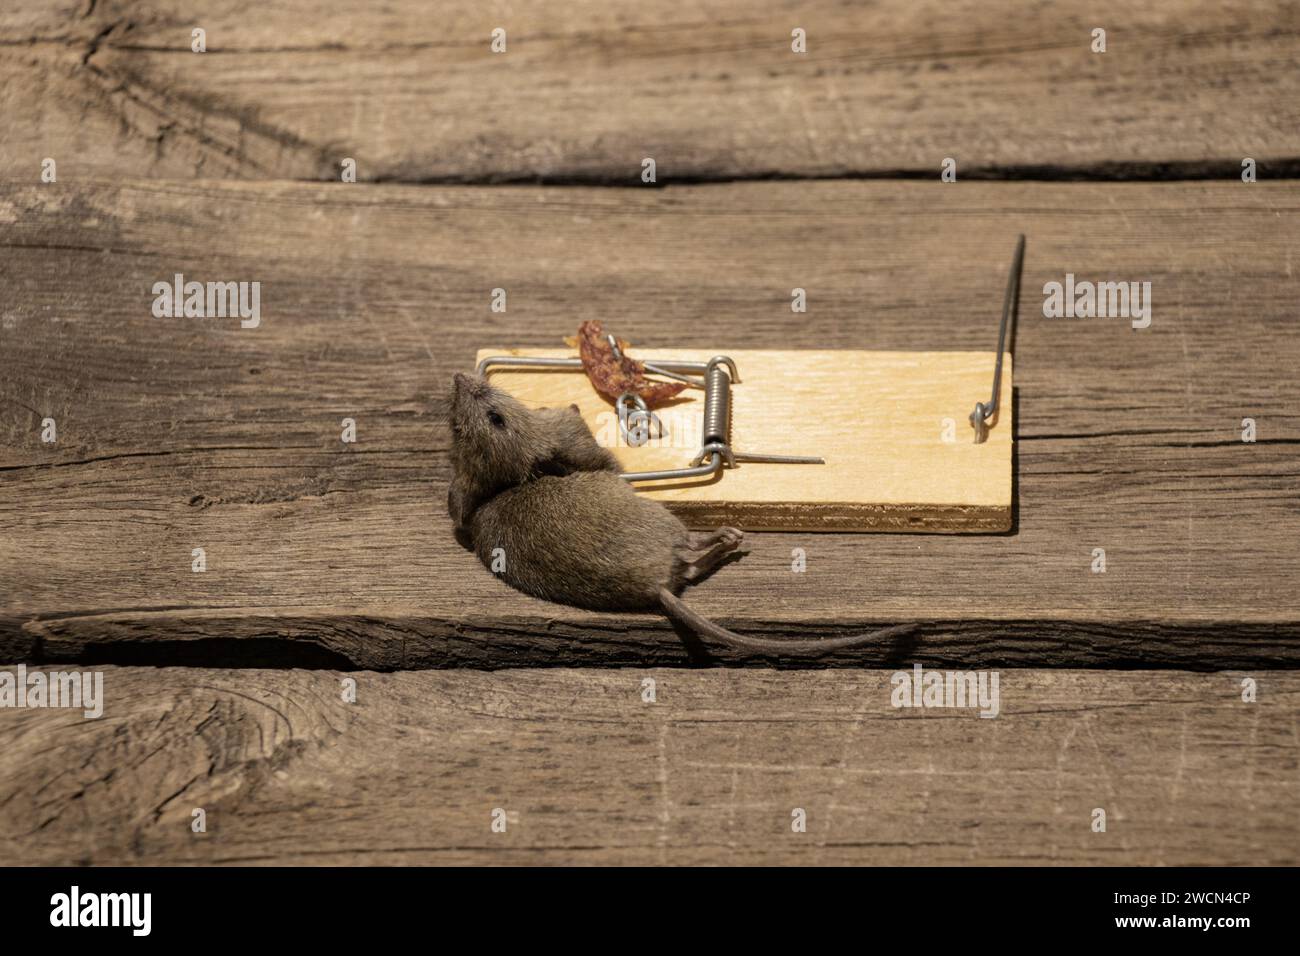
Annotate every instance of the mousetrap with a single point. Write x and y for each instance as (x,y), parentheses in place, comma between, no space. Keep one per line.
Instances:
(768,440)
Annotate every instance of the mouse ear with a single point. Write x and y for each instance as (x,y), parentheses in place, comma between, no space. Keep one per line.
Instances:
(573,407)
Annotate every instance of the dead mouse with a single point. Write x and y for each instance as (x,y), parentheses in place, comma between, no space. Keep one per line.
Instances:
(533,491)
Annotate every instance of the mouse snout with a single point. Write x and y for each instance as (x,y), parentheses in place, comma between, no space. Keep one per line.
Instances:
(470,386)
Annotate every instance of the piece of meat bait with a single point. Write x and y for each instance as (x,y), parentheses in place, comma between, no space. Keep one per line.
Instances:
(612,376)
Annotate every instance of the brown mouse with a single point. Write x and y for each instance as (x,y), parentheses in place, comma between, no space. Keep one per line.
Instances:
(533,492)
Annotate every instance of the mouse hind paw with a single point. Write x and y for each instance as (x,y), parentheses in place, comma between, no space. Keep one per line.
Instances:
(704,540)
(706,551)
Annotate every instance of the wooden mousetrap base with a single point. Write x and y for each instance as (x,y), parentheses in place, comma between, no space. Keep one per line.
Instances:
(893,427)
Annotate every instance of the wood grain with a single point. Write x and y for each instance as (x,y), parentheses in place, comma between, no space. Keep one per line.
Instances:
(183,433)
(586,90)
(892,429)
(588,772)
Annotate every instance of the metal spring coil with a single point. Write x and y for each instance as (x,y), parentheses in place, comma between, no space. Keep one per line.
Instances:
(717,406)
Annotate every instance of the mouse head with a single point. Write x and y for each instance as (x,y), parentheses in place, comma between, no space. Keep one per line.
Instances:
(494,438)
(497,442)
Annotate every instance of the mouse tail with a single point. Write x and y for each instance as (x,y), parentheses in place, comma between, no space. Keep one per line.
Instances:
(681,612)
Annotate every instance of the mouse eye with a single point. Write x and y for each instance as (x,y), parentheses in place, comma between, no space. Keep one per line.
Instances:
(496,420)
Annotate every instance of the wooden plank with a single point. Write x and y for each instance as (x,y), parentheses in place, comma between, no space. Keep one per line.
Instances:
(710,773)
(892,427)
(183,433)
(586,90)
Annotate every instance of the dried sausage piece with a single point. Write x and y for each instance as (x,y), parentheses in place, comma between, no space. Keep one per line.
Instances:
(612,376)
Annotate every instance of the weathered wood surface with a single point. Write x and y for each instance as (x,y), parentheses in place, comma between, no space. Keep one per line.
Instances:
(586,90)
(884,423)
(587,772)
(183,433)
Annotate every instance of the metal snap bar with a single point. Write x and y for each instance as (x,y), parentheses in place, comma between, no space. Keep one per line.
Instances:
(716,378)
(520,361)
